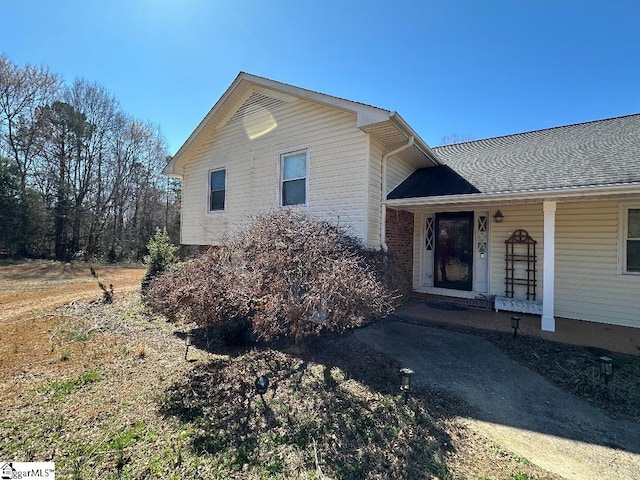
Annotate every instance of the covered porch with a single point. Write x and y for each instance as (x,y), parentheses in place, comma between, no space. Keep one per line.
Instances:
(575,332)
(484,255)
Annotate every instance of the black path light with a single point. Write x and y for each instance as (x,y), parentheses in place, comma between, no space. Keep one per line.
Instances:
(262,385)
(606,368)
(515,324)
(405,382)
(188,341)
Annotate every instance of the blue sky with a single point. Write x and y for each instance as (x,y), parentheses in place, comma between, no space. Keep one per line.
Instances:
(476,68)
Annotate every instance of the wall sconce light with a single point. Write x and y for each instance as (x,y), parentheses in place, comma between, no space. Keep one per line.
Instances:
(606,368)
(515,324)
(405,382)
(498,217)
(188,341)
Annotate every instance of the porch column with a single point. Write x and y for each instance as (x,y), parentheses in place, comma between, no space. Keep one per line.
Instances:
(548,269)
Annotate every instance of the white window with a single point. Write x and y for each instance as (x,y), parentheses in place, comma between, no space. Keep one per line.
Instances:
(631,239)
(293,168)
(217,189)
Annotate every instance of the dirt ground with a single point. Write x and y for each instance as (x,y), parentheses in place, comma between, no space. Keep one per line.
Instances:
(29,294)
(38,285)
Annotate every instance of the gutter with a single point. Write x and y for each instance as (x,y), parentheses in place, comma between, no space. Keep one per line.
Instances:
(419,143)
(383,210)
(477,198)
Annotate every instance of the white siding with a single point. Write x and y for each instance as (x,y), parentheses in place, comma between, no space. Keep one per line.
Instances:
(527,217)
(587,283)
(398,170)
(337,161)
(376,152)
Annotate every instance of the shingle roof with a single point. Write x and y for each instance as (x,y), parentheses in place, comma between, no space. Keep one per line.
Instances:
(598,153)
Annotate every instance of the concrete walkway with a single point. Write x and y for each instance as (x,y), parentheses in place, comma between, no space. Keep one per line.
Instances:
(516,407)
(576,332)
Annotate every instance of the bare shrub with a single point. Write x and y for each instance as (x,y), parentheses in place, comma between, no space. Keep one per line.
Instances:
(107,294)
(287,274)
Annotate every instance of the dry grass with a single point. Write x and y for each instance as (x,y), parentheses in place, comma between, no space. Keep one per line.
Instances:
(106,393)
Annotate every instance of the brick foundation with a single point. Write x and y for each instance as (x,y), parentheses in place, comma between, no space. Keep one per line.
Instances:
(481,303)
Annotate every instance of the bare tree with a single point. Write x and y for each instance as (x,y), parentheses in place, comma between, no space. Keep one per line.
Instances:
(89,172)
(98,108)
(24,92)
(456,138)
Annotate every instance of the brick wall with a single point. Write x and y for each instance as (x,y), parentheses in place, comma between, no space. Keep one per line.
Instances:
(399,235)
(482,303)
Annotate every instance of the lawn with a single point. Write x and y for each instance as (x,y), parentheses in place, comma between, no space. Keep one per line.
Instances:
(105,392)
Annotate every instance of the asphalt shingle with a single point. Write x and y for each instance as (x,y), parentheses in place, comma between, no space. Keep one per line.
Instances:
(598,153)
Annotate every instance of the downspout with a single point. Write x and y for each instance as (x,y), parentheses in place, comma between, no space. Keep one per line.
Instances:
(383,210)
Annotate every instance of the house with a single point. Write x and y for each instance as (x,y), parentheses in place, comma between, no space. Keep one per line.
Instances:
(546,222)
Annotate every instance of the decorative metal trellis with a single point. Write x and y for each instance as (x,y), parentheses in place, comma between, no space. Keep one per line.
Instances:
(520,268)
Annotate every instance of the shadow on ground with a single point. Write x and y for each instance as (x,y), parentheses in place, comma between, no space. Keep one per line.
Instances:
(547,421)
(340,403)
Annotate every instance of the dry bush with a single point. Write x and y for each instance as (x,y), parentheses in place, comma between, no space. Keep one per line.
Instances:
(288,275)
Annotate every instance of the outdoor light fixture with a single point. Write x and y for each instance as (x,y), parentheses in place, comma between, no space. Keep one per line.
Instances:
(262,384)
(188,341)
(515,324)
(498,217)
(606,368)
(405,382)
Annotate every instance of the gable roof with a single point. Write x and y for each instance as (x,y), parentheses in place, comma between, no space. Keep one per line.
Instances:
(601,153)
(250,92)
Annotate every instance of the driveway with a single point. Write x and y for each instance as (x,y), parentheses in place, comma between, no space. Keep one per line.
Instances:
(515,406)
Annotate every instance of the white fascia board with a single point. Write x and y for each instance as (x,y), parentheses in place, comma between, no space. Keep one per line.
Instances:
(420,143)
(173,174)
(360,109)
(366,118)
(170,167)
(531,195)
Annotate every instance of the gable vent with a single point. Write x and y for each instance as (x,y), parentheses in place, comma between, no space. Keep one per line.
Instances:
(257,102)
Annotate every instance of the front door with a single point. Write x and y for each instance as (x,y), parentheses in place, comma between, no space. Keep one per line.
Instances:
(453,265)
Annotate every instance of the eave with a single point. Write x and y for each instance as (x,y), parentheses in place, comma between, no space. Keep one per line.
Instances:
(579,193)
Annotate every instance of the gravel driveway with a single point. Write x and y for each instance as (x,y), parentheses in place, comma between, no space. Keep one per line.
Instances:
(515,406)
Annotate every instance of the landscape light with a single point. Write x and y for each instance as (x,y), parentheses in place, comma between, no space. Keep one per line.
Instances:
(405,382)
(515,324)
(262,384)
(188,341)
(606,368)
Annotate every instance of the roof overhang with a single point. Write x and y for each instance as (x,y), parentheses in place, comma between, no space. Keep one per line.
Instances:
(582,193)
(386,126)
(393,132)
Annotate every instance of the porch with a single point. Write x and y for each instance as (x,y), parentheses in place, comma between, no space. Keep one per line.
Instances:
(575,332)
